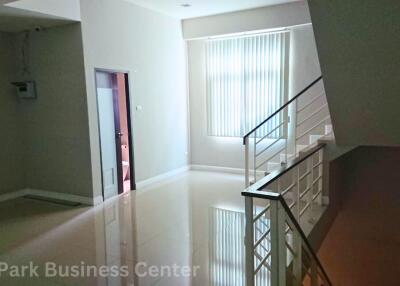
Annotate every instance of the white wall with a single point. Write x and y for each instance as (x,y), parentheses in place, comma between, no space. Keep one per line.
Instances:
(45,144)
(229,152)
(55,127)
(359,47)
(207,150)
(12,175)
(304,68)
(269,17)
(304,64)
(121,36)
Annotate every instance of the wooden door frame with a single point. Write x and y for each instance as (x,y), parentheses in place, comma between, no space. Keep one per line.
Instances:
(130,131)
(117,125)
(130,135)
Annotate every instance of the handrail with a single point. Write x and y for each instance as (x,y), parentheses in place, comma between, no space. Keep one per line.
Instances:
(279,197)
(254,191)
(270,178)
(281,108)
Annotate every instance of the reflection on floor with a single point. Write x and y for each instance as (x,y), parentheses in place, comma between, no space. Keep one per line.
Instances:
(166,224)
(195,220)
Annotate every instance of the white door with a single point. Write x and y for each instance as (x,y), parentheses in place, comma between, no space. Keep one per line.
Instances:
(107,137)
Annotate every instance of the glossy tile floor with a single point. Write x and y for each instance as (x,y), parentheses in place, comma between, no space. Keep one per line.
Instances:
(195,220)
(190,229)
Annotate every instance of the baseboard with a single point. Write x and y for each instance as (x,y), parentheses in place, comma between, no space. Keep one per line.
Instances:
(145,183)
(66,197)
(207,168)
(52,195)
(13,195)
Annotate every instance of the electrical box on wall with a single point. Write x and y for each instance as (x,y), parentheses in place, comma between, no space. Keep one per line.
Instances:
(26,89)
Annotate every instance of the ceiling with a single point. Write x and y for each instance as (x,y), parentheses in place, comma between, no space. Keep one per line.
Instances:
(14,20)
(17,16)
(201,8)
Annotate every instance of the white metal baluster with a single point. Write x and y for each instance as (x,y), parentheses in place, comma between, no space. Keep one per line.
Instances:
(285,128)
(320,173)
(282,244)
(296,248)
(249,242)
(297,241)
(309,195)
(292,127)
(247,165)
(278,246)
(274,243)
(255,156)
(297,177)
(295,127)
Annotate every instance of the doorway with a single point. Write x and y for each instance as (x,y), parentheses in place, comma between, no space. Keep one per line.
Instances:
(116,144)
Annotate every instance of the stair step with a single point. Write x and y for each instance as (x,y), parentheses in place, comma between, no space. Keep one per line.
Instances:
(314,138)
(328,129)
(329,138)
(289,157)
(272,166)
(301,147)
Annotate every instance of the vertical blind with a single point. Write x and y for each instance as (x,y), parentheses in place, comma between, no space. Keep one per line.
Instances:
(245,82)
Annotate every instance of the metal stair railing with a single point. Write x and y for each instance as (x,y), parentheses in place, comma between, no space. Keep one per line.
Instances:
(282,135)
(279,208)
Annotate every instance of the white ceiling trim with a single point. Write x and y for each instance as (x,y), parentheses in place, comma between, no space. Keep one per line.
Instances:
(200,8)
(66,9)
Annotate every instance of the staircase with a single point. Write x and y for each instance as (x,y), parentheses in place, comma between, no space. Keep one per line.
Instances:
(298,124)
(285,196)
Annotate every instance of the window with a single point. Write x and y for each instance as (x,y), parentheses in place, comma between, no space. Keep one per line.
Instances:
(245,81)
